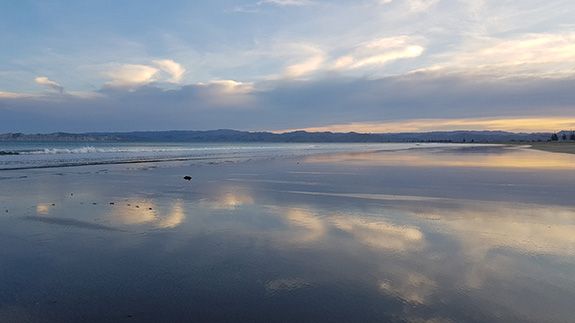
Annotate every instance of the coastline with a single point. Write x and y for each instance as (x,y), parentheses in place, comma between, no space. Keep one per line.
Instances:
(555,147)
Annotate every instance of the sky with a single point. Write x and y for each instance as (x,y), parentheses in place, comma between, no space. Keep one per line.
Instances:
(282,65)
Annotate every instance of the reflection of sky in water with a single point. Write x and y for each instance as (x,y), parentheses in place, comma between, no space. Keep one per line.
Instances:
(511,157)
(387,245)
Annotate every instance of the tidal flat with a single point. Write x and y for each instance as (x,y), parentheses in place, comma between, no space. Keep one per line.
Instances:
(434,234)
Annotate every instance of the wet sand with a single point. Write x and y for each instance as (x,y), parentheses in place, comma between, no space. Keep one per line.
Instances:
(556,147)
(470,234)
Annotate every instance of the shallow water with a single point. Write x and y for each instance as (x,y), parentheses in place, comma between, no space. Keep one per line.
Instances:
(440,235)
(30,155)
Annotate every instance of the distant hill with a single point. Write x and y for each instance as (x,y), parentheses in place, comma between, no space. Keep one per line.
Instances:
(224,135)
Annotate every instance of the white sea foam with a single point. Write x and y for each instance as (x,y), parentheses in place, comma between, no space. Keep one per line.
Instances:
(144,149)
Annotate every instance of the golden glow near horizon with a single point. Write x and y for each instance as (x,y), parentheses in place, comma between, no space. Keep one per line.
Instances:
(531,124)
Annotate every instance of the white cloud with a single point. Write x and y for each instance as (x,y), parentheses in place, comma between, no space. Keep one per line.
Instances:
(255,7)
(543,54)
(379,52)
(287,2)
(306,67)
(384,58)
(131,75)
(421,5)
(175,70)
(46,82)
(312,63)
(134,75)
(13,95)
(413,5)
(229,86)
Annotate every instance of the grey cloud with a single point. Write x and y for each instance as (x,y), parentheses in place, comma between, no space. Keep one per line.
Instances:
(291,104)
(50,84)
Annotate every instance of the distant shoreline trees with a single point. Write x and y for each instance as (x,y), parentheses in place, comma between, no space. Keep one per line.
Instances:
(563,136)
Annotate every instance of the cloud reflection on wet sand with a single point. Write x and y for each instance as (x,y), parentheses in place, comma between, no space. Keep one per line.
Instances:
(148,213)
(422,252)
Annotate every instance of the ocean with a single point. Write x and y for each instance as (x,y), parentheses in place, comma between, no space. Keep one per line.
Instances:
(28,155)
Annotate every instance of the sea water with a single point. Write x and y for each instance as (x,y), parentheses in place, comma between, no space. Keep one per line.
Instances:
(24,155)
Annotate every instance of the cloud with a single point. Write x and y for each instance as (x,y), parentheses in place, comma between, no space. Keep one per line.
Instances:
(229,86)
(134,75)
(413,5)
(535,54)
(306,67)
(255,7)
(366,56)
(174,70)
(14,95)
(224,93)
(287,2)
(46,82)
(421,5)
(308,59)
(131,75)
(379,52)
(454,100)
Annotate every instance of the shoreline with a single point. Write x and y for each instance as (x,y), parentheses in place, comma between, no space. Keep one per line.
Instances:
(554,147)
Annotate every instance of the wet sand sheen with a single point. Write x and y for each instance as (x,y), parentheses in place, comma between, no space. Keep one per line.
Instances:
(445,236)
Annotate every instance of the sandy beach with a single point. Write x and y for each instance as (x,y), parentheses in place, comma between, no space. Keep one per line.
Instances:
(435,234)
(556,147)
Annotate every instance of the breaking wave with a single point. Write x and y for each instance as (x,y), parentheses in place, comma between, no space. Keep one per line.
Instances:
(95,150)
